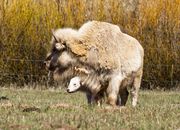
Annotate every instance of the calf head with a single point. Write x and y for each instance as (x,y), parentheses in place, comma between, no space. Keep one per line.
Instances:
(74,84)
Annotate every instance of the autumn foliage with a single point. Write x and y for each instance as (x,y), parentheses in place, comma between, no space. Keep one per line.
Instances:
(25,32)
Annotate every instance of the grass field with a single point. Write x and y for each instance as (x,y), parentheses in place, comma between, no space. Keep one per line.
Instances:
(56,109)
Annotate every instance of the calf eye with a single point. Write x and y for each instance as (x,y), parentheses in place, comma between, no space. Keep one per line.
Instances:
(74,84)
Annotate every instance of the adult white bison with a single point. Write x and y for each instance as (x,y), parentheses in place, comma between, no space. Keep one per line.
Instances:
(116,51)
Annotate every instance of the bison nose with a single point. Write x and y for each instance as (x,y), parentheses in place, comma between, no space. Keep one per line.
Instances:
(44,62)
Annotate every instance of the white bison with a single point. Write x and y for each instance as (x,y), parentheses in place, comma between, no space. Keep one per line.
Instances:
(116,51)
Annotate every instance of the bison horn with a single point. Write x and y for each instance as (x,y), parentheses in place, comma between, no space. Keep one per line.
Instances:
(54,36)
(59,46)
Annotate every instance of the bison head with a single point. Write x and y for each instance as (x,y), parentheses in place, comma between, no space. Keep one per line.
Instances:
(59,56)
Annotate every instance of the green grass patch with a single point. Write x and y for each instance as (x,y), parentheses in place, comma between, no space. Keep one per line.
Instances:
(53,109)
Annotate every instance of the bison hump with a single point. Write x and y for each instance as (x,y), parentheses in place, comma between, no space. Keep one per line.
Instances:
(107,38)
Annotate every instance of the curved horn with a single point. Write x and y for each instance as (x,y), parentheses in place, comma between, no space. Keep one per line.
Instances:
(54,36)
(59,46)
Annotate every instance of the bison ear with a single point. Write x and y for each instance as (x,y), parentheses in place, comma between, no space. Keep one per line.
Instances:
(54,36)
(59,46)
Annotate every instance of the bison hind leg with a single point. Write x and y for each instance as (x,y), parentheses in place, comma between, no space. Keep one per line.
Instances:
(123,96)
(135,88)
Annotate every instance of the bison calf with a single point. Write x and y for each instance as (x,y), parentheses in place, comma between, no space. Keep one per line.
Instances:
(93,84)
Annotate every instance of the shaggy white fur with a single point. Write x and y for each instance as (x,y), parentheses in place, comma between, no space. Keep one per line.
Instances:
(117,51)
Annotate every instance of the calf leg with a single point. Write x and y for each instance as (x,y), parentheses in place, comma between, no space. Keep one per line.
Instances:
(89,97)
(99,97)
(92,98)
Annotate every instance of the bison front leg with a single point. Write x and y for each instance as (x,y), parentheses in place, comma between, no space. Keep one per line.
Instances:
(113,89)
(135,88)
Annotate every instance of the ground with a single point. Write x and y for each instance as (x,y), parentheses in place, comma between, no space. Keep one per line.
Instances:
(56,109)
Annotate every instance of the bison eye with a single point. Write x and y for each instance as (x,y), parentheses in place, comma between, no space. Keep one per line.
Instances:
(64,43)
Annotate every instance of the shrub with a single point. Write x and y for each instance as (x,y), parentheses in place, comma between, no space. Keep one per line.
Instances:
(26,31)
